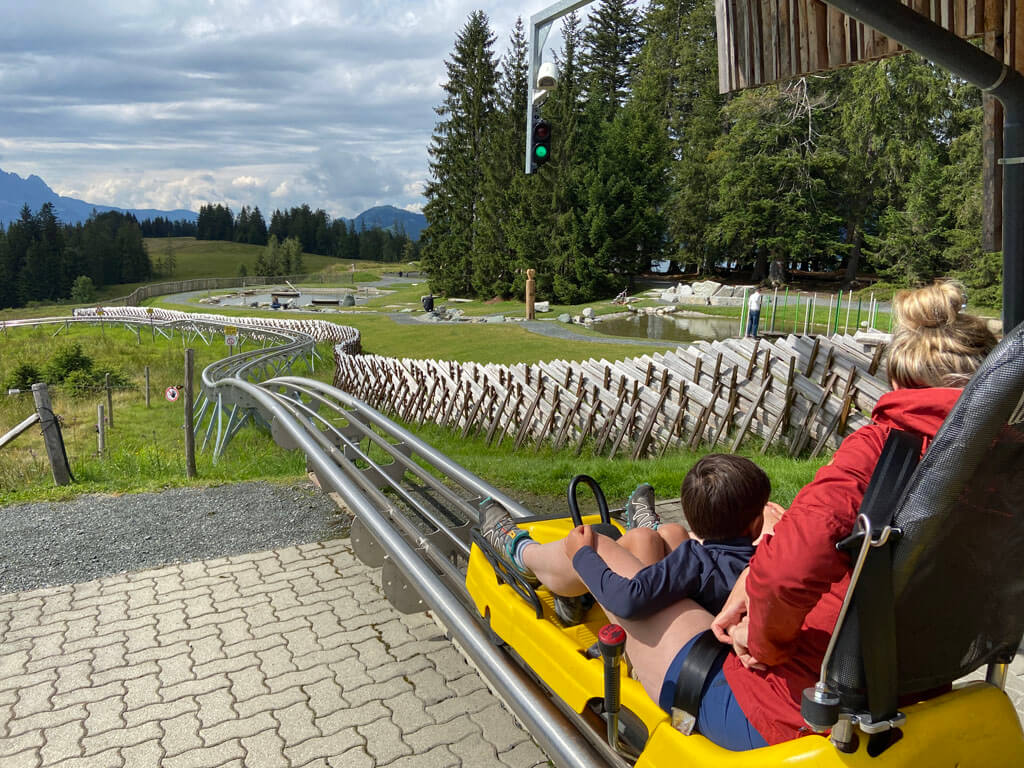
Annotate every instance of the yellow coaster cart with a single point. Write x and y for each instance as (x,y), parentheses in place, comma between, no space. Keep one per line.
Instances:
(948,584)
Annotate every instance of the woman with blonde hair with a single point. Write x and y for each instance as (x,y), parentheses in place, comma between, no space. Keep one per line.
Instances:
(776,624)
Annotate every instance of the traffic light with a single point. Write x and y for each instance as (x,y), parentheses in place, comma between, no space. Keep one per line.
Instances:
(540,147)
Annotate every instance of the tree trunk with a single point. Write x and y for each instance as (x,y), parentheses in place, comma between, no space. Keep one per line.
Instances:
(853,261)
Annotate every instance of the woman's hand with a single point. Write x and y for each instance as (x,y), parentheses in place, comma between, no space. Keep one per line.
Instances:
(579,537)
(738,637)
(734,610)
(770,517)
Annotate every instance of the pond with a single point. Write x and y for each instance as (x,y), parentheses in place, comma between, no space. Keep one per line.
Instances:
(668,327)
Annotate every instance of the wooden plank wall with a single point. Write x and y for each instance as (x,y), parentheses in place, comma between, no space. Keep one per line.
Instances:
(802,393)
(765,41)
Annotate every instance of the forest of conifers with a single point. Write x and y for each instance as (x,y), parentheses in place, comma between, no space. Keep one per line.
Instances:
(875,169)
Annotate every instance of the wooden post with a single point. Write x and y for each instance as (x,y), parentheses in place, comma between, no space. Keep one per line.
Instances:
(101,425)
(190,435)
(531,292)
(147,386)
(849,303)
(51,434)
(110,400)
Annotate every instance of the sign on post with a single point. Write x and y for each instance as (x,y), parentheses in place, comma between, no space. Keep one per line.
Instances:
(171,394)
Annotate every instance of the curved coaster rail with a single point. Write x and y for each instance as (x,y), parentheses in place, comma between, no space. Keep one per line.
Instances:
(415,527)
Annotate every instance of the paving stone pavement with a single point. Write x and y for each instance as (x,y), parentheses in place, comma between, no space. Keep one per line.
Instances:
(289,658)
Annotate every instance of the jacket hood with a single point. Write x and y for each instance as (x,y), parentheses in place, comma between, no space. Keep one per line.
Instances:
(916,410)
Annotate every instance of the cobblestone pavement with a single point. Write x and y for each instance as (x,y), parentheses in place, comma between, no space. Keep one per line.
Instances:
(289,657)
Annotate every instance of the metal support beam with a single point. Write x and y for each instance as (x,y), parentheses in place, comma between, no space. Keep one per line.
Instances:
(920,34)
(540,27)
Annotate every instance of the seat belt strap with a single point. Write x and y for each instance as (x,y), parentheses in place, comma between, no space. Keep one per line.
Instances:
(694,672)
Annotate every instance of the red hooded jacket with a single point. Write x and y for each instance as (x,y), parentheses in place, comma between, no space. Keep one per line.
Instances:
(797,579)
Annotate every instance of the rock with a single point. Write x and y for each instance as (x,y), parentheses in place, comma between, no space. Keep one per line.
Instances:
(684,290)
(495,319)
(705,288)
(542,306)
(588,312)
(564,318)
(348,300)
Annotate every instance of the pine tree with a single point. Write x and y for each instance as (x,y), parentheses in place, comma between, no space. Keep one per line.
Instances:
(457,152)
(677,73)
(494,259)
(611,42)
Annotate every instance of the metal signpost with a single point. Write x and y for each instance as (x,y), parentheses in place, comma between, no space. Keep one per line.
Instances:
(540,27)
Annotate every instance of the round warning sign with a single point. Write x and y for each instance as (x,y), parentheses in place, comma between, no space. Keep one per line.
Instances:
(171,393)
(231,339)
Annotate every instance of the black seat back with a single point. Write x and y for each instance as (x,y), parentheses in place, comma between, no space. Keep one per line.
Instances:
(958,568)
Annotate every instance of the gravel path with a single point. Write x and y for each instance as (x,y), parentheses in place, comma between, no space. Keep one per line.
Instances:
(46,544)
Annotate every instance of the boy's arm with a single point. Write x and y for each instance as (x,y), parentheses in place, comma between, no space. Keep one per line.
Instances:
(667,581)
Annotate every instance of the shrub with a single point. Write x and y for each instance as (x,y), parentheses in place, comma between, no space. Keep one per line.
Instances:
(83,290)
(68,358)
(23,377)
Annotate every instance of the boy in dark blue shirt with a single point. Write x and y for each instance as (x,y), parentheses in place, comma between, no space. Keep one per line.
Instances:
(723,498)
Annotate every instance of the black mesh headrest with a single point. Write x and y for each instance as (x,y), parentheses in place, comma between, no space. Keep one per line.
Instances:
(958,570)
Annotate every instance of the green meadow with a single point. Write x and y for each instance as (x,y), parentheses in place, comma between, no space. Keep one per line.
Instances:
(145,446)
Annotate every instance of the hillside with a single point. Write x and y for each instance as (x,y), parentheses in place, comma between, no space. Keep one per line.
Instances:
(389,217)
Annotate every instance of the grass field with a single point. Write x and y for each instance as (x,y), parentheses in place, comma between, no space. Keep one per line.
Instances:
(145,446)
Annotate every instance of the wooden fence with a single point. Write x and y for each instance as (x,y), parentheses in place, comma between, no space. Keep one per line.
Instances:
(799,392)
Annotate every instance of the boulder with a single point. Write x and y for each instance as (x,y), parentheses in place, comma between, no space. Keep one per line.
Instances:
(348,300)
(542,306)
(495,319)
(564,318)
(588,312)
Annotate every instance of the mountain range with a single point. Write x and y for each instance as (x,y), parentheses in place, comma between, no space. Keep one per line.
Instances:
(16,192)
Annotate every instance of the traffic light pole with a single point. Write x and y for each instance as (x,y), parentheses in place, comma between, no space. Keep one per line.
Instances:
(540,27)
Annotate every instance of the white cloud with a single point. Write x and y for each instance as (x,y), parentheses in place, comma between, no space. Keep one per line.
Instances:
(246,102)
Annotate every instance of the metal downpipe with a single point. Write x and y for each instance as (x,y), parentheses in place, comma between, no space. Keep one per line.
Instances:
(921,34)
(556,735)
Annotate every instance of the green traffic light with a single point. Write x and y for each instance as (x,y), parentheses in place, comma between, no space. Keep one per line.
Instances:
(540,152)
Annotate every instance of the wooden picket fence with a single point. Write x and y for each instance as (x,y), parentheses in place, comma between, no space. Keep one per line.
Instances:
(802,393)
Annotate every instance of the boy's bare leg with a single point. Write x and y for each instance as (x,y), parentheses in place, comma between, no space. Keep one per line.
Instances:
(673,534)
(652,642)
(553,567)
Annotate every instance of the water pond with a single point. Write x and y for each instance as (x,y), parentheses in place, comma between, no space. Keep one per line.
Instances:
(668,327)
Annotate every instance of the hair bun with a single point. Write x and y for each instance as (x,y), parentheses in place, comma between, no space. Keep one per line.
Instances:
(934,306)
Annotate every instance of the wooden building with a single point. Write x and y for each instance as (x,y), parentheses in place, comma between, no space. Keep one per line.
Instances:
(766,41)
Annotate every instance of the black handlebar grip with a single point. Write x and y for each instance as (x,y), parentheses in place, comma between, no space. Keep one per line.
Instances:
(574,507)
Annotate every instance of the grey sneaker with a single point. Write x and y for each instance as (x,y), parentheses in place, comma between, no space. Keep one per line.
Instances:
(640,509)
(572,610)
(501,532)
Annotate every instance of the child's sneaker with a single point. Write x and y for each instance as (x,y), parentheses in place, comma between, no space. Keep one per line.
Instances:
(501,532)
(572,610)
(640,509)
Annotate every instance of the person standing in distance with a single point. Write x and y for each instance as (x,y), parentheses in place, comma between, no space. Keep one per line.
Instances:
(754,312)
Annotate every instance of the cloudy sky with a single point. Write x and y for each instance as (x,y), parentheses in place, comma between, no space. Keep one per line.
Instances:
(176,103)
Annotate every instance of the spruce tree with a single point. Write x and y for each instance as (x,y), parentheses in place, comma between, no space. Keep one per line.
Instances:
(494,259)
(457,153)
(611,42)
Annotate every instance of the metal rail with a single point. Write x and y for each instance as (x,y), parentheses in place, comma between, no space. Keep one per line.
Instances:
(383,474)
